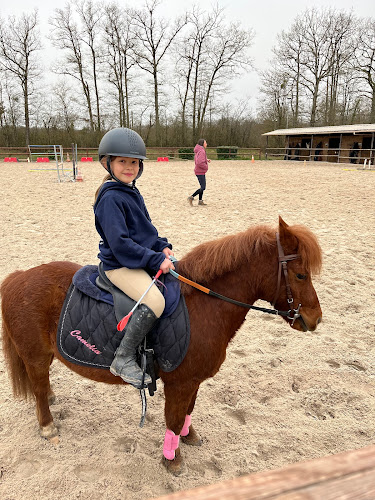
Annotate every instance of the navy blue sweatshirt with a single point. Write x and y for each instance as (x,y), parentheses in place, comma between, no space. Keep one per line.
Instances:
(129,239)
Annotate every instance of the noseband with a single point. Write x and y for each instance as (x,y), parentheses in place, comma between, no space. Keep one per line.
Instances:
(283,260)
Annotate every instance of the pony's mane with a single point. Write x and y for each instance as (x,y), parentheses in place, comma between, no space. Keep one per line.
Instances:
(215,258)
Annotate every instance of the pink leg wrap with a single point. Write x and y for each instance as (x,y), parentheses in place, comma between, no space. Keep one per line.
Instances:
(185,429)
(171,442)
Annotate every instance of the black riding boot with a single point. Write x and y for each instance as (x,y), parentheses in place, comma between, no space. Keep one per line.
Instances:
(124,363)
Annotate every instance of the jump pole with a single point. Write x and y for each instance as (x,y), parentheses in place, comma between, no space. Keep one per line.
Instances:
(74,160)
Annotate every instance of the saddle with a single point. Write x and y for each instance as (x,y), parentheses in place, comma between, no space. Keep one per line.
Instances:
(122,303)
(87,331)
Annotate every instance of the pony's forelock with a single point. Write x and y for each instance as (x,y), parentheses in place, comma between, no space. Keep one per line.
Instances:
(308,248)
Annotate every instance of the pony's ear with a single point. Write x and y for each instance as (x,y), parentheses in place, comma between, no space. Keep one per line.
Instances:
(288,241)
(282,223)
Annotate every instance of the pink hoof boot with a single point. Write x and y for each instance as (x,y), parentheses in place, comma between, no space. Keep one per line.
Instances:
(185,429)
(171,443)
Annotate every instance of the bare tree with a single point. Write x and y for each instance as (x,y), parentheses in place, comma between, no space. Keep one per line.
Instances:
(227,57)
(288,57)
(66,36)
(214,54)
(234,126)
(317,59)
(184,70)
(351,100)
(19,43)
(275,91)
(192,54)
(91,15)
(2,108)
(365,61)
(315,56)
(11,109)
(120,57)
(155,38)
(64,106)
(341,50)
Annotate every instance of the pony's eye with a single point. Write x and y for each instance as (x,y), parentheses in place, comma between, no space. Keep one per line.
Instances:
(301,276)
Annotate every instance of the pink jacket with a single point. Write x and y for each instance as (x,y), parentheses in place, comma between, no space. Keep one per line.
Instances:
(200,159)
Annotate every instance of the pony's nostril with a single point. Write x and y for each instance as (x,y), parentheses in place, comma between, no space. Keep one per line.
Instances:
(319,320)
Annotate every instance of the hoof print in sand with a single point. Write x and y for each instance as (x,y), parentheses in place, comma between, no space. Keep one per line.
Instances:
(356,365)
(125,445)
(208,467)
(87,473)
(239,415)
(333,364)
(26,468)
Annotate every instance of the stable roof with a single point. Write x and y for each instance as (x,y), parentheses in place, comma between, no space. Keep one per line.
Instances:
(341,129)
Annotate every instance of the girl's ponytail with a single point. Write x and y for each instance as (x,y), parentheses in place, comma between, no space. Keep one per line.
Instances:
(106,178)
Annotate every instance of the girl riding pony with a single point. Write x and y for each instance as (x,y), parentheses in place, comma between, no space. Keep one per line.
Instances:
(130,247)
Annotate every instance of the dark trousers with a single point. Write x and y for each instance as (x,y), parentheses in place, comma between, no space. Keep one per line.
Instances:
(202,182)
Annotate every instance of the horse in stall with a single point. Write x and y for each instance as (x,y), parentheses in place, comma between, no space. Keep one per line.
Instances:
(246,267)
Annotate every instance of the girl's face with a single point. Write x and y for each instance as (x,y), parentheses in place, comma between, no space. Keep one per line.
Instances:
(125,169)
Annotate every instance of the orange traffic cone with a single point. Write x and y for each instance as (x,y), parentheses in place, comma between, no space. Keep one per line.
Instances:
(252,159)
(67,157)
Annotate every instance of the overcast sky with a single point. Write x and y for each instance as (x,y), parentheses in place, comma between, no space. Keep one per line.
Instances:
(266,18)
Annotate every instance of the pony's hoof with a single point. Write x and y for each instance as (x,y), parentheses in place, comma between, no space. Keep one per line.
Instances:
(50,432)
(193,438)
(174,466)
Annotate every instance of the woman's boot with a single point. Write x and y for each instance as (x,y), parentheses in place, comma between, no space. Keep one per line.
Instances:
(124,364)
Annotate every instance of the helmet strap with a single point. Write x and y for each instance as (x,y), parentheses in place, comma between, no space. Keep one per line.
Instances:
(111,173)
(140,171)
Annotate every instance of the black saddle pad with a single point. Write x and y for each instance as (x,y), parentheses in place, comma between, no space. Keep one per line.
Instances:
(87,333)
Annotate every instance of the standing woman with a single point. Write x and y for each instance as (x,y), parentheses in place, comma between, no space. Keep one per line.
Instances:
(201,167)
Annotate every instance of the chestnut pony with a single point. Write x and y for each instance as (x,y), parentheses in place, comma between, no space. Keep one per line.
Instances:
(243,267)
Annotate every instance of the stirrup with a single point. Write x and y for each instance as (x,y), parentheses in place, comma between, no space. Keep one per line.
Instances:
(138,382)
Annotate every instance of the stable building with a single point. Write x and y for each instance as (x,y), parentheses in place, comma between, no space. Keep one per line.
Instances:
(339,144)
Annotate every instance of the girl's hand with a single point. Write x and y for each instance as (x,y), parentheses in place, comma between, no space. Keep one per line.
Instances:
(166,265)
(167,251)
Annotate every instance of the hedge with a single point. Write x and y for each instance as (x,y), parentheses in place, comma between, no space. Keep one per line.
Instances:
(186,153)
(226,152)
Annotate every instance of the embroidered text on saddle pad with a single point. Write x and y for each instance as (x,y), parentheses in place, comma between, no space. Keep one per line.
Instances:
(87,333)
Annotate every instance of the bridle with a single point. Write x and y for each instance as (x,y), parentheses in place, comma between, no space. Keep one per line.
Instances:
(283,259)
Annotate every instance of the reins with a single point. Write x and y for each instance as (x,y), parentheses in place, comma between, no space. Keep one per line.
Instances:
(291,314)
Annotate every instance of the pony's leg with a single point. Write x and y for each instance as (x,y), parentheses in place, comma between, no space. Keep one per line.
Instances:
(188,433)
(51,394)
(178,399)
(39,378)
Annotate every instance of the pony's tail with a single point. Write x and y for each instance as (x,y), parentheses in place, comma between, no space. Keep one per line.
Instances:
(19,377)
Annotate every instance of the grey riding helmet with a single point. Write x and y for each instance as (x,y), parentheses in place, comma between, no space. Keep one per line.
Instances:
(122,142)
